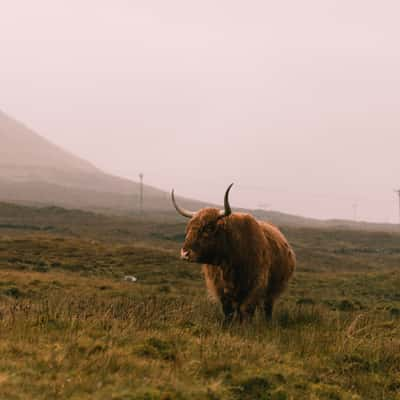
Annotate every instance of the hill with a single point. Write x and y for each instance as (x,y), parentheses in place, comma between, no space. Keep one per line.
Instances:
(35,171)
(25,155)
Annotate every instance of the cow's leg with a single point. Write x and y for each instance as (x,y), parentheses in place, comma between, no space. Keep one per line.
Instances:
(247,313)
(268,308)
(228,309)
(276,285)
(248,306)
(272,293)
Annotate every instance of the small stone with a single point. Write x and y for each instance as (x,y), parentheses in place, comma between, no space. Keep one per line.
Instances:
(130,278)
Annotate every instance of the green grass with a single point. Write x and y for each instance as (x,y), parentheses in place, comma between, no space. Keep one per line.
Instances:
(72,328)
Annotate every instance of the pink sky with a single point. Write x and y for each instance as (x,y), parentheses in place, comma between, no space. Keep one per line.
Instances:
(296,102)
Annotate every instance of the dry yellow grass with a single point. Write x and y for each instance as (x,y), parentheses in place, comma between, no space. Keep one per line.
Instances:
(72,328)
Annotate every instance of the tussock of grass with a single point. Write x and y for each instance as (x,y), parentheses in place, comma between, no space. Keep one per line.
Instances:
(92,346)
(72,328)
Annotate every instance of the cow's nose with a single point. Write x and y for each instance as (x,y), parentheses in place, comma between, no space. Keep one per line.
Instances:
(184,254)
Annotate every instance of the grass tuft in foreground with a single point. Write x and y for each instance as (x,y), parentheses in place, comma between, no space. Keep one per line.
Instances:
(72,328)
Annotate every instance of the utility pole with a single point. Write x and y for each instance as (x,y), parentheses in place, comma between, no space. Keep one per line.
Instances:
(355,207)
(141,194)
(398,192)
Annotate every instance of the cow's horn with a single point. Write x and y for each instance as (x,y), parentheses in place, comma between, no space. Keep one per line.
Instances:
(182,211)
(228,210)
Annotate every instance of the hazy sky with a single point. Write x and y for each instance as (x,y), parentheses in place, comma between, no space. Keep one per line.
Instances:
(297,102)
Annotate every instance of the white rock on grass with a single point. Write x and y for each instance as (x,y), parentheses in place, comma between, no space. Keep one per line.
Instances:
(130,278)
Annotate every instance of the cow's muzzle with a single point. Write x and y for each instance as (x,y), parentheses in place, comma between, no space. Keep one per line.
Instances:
(187,255)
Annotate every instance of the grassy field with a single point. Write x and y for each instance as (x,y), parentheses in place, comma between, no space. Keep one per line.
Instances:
(71,327)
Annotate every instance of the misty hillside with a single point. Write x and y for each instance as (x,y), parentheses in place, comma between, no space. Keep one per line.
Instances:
(26,155)
(35,171)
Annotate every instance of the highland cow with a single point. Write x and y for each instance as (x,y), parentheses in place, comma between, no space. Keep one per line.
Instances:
(247,263)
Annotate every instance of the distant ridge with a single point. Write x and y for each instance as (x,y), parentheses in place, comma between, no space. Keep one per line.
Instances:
(21,148)
(35,171)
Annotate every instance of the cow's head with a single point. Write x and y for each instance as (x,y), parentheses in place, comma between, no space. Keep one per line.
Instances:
(205,233)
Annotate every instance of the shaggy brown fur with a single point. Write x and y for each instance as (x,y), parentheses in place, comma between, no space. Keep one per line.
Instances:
(248,263)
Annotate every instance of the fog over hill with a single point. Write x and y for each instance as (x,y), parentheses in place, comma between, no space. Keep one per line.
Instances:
(33,170)
(24,155)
